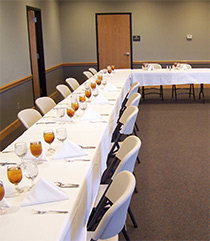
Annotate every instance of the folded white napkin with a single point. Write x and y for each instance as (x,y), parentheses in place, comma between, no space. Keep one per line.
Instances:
(90,114)
(29,156)
(110,87)
(4,203)
(184,67)
(44,192)
(151,67)
(69,149)
(100,99)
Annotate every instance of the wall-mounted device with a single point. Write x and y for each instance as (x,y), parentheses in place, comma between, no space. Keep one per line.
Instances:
(189,37)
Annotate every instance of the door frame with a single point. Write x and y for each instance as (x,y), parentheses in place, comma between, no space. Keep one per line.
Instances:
(40,49)
(131,42)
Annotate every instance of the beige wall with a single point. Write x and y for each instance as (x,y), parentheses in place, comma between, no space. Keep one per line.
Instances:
(69,32)
(14,48)
(162,25)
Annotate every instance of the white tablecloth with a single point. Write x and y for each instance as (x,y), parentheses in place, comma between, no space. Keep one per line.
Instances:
(20,223)
(170,77)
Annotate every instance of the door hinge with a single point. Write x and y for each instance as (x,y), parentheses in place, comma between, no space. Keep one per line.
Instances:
(35,19)
(37,55)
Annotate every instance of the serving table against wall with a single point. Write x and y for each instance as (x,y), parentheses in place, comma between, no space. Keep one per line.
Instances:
(20,223)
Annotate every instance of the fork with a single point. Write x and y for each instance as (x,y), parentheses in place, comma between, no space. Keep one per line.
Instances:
(49,211)
(87,147)
(67,185)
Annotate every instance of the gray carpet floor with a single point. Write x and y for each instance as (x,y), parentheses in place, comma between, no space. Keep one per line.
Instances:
(172,202)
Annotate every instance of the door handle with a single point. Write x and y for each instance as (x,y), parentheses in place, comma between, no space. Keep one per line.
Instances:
(127,54)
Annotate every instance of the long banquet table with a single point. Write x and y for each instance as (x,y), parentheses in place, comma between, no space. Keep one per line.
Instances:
(19,222)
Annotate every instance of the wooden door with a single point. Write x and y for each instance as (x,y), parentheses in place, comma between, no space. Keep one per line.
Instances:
(33,52)
(36,51)
(114,40)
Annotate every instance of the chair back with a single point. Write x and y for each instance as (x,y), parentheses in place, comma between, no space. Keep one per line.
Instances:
(151,66)
(93,70)
(119,193)
(128,120)
(63,90)
(127,154)
(134,99)
(183,66)
(73,83)
(28,117)
(87,74)
(133,89)
(45,104)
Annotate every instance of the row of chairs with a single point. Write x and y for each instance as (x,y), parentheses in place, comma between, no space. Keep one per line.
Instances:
(108,217)
(118,183)
(29,116)
(73,84)
(175,90)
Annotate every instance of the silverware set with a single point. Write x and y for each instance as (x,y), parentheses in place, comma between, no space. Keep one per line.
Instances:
(49,211)
(66,185)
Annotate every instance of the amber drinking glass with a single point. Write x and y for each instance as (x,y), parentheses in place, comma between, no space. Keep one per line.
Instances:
(36,148)
(70,111)
(14,175)
(2,193)
(82,102)
(49,137)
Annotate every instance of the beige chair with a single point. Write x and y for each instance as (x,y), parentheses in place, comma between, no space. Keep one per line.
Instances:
(116,200)
(28,117)
(87,74)
(45,104)
(185,90)
(63,90)
(93,71)
(152,90)
(73,83)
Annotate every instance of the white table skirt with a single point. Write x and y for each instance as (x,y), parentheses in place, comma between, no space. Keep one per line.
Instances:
(20,223)
(171,77)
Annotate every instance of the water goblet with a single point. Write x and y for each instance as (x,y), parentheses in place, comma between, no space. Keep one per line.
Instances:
(104,81)
(60,114)
(112,67)
(14,175)
(2,193)
(49,137)
(36,149)
(20,149)
(61,134)
(31,171)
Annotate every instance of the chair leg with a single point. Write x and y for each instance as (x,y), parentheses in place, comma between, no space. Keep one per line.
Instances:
(193,90)
(125,234)
(161,92)
(173,91)
(137,128)
(132,218)
(143,92)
